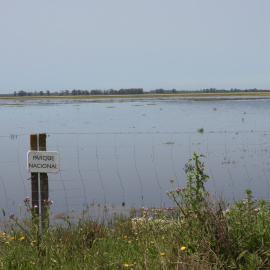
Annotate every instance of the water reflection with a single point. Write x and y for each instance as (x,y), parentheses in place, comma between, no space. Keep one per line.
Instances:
(128,151)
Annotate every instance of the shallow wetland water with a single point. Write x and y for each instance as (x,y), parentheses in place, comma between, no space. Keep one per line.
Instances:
(127,149)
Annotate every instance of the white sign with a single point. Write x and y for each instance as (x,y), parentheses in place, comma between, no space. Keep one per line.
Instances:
(43,161)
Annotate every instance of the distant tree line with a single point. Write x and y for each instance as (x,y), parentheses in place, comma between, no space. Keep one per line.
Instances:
(74,92)
(22,93)
(209,90)
(206,90)
(214,90)
(128,91)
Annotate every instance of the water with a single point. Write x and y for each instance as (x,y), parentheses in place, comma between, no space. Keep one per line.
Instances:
(127,150)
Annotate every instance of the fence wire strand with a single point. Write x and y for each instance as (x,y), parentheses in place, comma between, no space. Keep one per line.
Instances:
(135,167)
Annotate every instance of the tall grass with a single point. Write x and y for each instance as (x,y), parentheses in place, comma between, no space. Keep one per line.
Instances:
(195,233)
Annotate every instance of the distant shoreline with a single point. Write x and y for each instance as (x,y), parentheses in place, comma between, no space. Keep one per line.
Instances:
(205,96)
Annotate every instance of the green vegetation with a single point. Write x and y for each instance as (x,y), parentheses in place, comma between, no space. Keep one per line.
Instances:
(200,96)
(200,130)
(195,234)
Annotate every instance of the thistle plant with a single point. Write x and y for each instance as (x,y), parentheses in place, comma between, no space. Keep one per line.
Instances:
(191,199)
(33,232)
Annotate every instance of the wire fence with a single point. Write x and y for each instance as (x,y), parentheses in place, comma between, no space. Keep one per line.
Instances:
(134,169)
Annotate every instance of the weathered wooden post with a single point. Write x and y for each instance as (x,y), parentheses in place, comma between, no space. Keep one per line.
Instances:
(41,161)
(44,185)
(34,176)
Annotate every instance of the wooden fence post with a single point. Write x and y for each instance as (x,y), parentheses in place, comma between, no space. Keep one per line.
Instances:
(34,177)
(39,163)
(44,185)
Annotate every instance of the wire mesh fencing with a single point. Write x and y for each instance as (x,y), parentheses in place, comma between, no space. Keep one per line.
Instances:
(134,169)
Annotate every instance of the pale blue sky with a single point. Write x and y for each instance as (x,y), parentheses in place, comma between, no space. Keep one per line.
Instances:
(84,44)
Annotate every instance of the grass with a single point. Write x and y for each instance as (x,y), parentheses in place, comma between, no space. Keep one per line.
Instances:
(238,95)
(194,234)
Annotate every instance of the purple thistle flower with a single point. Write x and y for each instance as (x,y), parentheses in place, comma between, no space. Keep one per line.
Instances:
(25,200)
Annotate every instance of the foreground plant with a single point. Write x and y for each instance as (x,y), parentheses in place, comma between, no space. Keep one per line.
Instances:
(195,234)
(237,237)
(192,198)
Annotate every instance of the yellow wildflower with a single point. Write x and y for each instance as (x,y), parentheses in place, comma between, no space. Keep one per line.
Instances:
(182,248)
(162,254)
(22,238)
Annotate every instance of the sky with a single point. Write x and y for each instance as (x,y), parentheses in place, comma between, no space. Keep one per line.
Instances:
(102,44)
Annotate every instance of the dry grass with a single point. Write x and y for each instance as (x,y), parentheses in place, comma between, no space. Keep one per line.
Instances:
(237,95)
